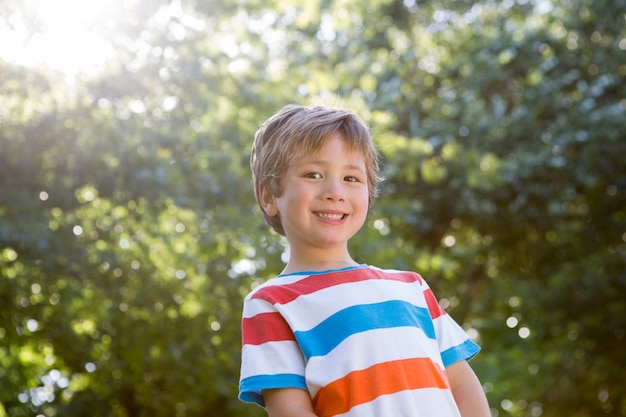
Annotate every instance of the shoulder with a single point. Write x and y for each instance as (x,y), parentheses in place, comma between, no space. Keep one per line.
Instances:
(273,286)
(398,274)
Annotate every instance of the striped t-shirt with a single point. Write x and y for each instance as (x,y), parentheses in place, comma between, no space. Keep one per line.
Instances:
(364,342)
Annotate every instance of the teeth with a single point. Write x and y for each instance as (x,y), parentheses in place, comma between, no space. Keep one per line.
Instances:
(330,216)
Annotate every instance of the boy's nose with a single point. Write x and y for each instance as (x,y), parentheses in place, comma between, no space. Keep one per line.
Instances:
(334,191)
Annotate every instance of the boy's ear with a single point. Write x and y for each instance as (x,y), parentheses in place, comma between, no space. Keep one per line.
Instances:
(268,201)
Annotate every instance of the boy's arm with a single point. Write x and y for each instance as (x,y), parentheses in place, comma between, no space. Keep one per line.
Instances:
(288,402)
(467,391)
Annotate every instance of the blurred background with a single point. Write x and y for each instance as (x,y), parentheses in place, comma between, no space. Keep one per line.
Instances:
(129,233)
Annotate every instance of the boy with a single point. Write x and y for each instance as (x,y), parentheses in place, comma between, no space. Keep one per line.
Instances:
(329,336)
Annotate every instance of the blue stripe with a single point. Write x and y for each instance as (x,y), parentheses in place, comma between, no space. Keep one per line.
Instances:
(465,351)
(360,318)
(250,388)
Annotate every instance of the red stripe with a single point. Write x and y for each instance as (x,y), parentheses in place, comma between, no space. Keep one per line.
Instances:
(433,306)
(363,386)
(283,294)
(265,327)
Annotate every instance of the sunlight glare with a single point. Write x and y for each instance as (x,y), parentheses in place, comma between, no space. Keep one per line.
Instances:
(67,39)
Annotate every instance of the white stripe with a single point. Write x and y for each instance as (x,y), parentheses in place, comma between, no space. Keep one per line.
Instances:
(272,358)
(256,306)
(367,349)
(417,403)
(449,333)
(318,306)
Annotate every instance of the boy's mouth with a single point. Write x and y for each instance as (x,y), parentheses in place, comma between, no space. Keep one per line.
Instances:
(330,216)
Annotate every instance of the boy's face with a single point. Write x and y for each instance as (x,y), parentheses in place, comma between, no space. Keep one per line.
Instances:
(324,198)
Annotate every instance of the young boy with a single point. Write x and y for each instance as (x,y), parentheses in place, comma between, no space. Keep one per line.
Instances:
(330,336)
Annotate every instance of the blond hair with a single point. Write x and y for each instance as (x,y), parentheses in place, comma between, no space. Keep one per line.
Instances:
(295,131)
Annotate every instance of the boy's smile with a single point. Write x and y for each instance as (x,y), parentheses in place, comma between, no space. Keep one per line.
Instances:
(324,202)
(331,216)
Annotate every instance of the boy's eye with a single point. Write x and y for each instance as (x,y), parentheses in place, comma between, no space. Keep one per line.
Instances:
(352,178)
(313,175)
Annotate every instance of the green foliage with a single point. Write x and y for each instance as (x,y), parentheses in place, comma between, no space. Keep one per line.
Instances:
(129,234)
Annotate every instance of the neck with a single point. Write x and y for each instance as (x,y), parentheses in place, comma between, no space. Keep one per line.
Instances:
(322,261)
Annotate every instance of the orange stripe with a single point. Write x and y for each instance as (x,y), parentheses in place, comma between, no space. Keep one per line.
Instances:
(365,385)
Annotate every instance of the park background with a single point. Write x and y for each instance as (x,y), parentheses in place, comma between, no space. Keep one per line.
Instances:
(129,233)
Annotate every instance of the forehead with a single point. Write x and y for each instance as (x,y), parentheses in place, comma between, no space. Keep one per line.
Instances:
(335,146)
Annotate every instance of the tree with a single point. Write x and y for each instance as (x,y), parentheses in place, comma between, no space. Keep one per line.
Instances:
(506,183)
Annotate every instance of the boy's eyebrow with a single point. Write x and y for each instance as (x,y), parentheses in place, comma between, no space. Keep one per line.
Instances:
(356,167)
(320,162)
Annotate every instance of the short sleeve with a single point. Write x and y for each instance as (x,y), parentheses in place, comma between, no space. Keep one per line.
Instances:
(454,343)
(270,356)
